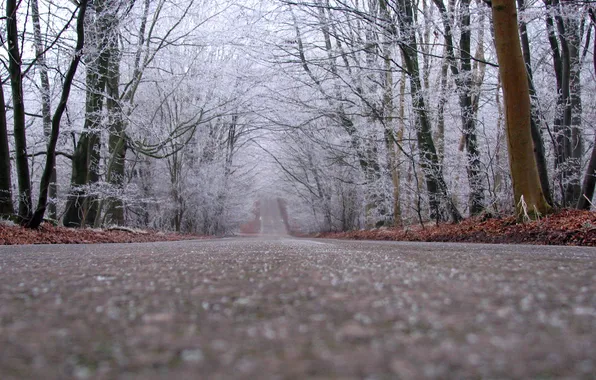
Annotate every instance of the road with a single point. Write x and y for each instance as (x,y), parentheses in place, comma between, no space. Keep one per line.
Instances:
(293,309)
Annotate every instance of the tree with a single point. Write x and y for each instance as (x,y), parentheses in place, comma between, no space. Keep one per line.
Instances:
(82,206)
(528,195)
(348,86)
(46,111)
(464,79)
(565,35)
(49,170)
(18,104)
(589,183)
(111,92)
(535,120)
(429,159)
(6,206)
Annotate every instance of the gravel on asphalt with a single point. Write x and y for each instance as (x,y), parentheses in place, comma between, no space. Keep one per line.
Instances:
(290,308)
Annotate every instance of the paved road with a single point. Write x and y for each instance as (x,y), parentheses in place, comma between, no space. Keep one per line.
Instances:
(295,309)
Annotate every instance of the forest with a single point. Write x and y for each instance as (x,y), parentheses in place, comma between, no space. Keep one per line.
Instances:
(182,114)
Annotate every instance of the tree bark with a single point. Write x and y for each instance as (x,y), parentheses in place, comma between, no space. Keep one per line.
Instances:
(568,138)
(116,127)
(573,190)
(587,191)
(429,160)
(535,122)
(82,206)
(49,170)
(86,156)
(46,111)
(6,206)
(16,83)
(388,122)
(589,183)
(464,81)
(528,196)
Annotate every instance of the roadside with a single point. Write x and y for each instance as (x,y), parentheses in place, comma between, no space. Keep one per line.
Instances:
(49,234)
(567,227)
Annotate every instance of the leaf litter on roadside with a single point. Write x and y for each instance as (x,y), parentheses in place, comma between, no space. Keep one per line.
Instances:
(567,227)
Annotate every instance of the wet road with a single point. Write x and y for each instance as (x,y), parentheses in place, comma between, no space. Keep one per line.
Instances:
(294,309)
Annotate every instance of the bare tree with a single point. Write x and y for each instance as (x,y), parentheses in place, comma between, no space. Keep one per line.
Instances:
(6,206)
(46,107)
(468,100)
(49,170)
(18,105)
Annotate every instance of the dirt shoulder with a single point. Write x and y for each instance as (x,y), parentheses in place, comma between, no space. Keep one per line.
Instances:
(568,227)
(49,234)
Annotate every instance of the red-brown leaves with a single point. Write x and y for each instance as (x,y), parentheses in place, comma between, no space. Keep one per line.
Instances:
(568,227)
(48,234)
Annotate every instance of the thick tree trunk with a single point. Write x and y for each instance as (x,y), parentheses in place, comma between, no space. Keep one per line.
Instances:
(117,139)
(20,139)
(82,206)
(589,183)
(575,154)
(6,206)
(528,196)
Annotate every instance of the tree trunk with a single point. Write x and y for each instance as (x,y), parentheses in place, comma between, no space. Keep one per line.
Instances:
(388,122)
(499,172)
(568,138)
(6,206)
(429,160)
(45,100)
(400,137)
(573,190)
(589,183)
(85,160)
(528,196)
(559,152)
(117,139)
(50,167)
(20,139)
(443,98)
(587,191)
(82,206)
(465,83)
(535,122)
(474,171)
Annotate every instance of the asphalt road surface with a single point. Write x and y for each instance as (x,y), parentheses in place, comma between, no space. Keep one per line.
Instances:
(267,308)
